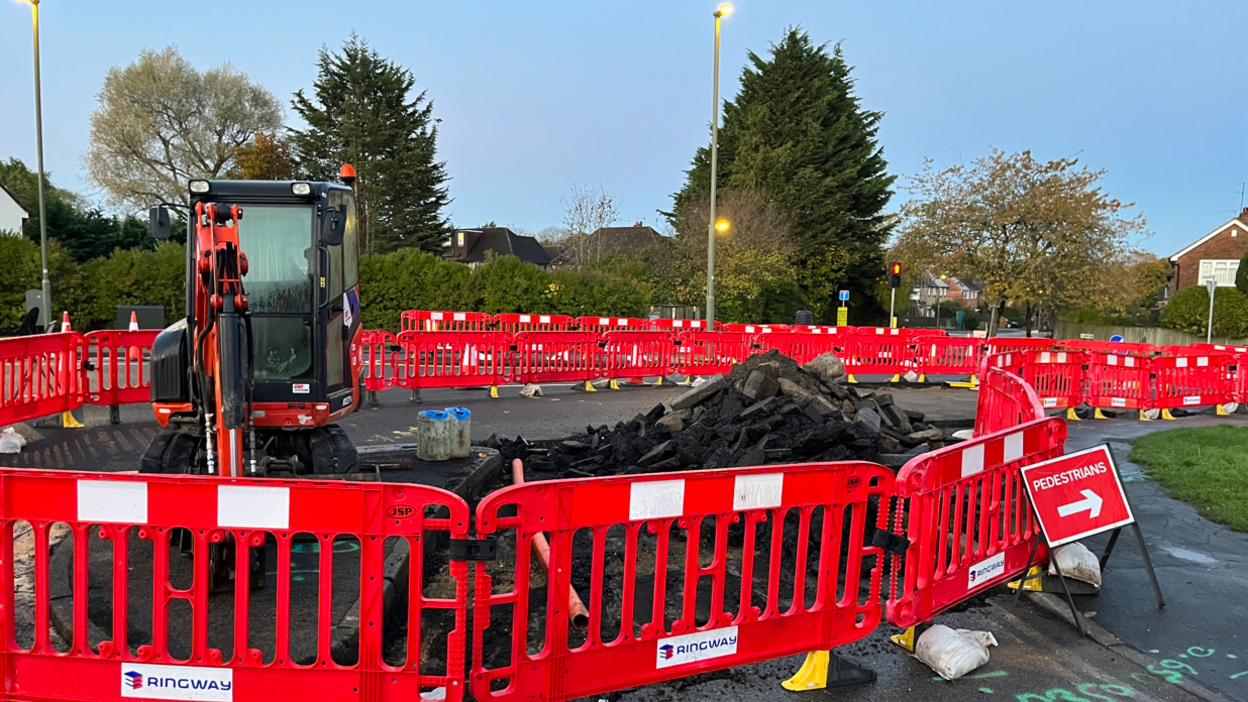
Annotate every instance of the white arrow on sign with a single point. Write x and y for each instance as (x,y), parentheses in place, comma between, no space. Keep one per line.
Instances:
(1091,502)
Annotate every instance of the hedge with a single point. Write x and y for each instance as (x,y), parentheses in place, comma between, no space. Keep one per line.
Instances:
(1188,311)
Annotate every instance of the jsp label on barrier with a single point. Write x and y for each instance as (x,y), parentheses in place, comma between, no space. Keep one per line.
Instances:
(700,646)
(985,571)
(177,682)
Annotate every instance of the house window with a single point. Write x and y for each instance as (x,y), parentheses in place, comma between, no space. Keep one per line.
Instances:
(1222,271)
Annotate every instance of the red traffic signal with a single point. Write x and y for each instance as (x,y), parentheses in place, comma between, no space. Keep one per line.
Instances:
(894,274)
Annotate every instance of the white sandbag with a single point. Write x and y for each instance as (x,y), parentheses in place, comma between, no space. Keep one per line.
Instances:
(911,376)
(531,390)
(953,653)
(1078,563)
(11,441)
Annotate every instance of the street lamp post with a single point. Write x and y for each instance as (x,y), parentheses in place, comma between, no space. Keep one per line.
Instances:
(723,11)
(46,301)
(1212,286)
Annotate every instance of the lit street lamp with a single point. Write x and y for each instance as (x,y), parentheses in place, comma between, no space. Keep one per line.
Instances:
(712,225)
(46,297)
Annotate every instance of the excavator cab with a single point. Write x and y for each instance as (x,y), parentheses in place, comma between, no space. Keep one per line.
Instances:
(252,381)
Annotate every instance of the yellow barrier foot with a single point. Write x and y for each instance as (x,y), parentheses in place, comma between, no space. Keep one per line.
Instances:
(1222,411)
(614,385)
(813,674)
(896,378)
(1098,414)
(905,639)
(922,378)
(589,387)
(1165,414)
(1144,416)
(494,391)
(850,378)
(1071,416)
(687,381)
(1033,583)
(70,422)
(659,381)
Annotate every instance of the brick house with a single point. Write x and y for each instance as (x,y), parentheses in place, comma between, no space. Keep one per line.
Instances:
(1215,255)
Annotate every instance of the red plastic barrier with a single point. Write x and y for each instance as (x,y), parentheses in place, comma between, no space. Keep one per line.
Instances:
(423,320)
(449,359)
(1193,379)
(606,324)
(877,354)
(755,328)
(40,376)
(117,373)
(898,331)
(634,354)
(802,347)
(673,533)
(1005,401)
(376,354)
(968,520)
(701,353)
(515,323)
(245,657)
(1058,377)
(1006,344)
(681,324)
(948,355)
(1239,373)
(821,329)
(555,357)
(1117,381)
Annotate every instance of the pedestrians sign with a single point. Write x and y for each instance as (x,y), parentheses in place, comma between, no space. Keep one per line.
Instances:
(844,296)
(1078,495)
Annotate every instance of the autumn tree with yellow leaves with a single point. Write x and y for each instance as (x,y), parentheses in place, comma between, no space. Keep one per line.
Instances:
(1042,236)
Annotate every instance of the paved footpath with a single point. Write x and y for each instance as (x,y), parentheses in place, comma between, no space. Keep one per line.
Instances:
(1202,634)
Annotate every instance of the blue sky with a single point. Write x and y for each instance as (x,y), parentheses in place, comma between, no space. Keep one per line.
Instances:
(537,97)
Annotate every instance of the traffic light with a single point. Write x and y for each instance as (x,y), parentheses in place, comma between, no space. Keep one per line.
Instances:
(894,274)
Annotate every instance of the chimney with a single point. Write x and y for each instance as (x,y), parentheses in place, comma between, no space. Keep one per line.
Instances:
(1243,216)
(638,224)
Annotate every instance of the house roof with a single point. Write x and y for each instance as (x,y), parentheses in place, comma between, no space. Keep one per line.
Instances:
(25,214)
(933,281)
(1240,221)
(503,242)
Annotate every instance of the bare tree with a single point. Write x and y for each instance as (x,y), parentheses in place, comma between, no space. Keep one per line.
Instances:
(161,123)
(589,208)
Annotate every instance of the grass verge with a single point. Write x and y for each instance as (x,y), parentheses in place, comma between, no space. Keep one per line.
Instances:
(1205,466)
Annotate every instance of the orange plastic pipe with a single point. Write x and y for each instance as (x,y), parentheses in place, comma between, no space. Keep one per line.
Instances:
(576,607)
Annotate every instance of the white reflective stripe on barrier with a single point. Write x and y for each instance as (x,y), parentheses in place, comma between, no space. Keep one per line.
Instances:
(107,501)
(253,507)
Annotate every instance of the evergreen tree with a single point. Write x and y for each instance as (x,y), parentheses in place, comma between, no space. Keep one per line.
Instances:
(85,232)
(362,112)
(797,132)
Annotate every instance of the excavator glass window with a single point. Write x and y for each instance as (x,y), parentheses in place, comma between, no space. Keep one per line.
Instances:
(281,256)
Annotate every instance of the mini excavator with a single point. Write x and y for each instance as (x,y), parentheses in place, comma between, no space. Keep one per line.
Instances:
(252,381)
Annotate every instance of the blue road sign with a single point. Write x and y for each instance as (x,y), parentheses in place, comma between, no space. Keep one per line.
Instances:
(844,296)
(1116,337)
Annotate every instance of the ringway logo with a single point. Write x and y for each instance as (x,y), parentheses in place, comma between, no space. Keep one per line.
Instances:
(986,570)
(177,682)
(699,646)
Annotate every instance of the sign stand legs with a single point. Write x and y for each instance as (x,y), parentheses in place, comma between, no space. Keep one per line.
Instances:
(1148,561)
(1074,612)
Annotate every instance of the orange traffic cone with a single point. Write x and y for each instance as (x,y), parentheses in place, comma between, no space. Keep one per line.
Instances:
(65,323)
(134,321)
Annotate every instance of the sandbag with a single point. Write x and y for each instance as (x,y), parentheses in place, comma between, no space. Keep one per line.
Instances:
(953,653)
(1077,563)
(11,441)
